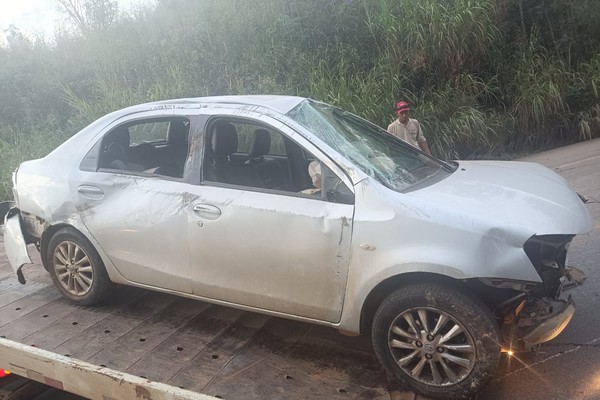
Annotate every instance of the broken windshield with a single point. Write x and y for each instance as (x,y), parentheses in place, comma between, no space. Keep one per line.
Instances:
(380,155)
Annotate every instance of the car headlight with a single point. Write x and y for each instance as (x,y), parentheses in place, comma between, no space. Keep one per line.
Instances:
(548,254)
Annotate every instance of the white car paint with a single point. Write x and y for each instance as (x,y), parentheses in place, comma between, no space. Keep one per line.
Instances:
(471,224)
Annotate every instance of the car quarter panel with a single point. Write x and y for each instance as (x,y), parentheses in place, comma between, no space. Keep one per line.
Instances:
(43,190)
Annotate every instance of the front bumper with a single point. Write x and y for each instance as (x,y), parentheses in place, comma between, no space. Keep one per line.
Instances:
(536,320)
(14,243)
(547,327)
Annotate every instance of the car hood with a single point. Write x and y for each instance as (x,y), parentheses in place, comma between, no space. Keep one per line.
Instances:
(518,194)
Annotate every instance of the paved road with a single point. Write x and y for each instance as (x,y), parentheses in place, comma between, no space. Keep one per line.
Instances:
(569,366)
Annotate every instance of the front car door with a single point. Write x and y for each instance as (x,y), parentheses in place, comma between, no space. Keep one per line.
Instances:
(270,249)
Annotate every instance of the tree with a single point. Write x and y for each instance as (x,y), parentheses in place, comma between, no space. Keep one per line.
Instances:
(90,15)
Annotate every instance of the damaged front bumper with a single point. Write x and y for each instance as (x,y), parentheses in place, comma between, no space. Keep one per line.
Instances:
(14,242)
(536,319)
(545,319)
(540,313)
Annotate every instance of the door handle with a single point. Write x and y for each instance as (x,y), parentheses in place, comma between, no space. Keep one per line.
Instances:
(91,192)
(207,211)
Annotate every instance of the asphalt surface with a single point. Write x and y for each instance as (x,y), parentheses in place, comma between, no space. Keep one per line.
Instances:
(569,366)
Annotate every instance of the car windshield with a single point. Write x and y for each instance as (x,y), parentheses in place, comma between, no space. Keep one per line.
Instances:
(380,155)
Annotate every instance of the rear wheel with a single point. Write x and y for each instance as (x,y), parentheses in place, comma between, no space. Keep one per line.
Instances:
(436,340)
(76,268)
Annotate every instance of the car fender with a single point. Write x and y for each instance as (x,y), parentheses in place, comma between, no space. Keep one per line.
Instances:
(444,260)
(16,246)
(76,223)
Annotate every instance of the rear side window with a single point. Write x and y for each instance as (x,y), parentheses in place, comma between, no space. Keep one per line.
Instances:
(149,132)
(144,147)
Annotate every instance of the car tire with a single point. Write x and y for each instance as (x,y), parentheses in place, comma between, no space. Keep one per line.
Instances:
(436,341)
(76,268)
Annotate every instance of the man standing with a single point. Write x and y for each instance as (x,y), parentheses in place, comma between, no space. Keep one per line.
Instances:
(408,129)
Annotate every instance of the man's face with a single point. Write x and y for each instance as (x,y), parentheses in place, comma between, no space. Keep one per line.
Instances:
(402,116)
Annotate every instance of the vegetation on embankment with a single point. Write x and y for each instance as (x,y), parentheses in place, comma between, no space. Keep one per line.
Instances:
(487,78)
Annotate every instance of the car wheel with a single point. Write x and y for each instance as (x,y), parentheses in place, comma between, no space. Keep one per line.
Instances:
(76,268)
(436,341)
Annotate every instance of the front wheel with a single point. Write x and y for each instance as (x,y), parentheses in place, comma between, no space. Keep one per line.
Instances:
(76,268)
(436,340)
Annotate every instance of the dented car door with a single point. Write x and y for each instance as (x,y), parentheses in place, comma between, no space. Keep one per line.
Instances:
(274,250)
(138,217)
(142,229)
(285,254)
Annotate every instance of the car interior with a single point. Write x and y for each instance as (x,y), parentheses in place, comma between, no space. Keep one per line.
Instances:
(158,147)
(238,152)
(245,154)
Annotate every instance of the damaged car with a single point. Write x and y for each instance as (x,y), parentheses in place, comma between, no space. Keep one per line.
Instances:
(444,264)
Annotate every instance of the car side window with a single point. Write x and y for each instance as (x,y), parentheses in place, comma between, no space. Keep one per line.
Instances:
(152,147)
(149,132)
(247,140)
(250,155)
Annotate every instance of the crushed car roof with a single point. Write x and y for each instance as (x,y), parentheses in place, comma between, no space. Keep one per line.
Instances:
(281,104)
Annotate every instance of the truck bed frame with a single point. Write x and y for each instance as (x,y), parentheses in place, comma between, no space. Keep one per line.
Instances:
(148,345)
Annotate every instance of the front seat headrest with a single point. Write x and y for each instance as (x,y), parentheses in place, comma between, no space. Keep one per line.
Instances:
(261,144)
(224,139)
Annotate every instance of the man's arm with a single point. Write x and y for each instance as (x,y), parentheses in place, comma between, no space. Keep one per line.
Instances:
(421,140)
(425,147)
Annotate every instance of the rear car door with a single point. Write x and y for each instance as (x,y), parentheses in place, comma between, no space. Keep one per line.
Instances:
(133,200)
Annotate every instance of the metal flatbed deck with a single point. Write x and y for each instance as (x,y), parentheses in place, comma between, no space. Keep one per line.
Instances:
(204,348)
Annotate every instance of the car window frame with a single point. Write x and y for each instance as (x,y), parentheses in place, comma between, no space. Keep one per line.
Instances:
(91,161)
(289,134)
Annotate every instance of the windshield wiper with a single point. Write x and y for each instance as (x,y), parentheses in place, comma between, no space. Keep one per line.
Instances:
(450,165)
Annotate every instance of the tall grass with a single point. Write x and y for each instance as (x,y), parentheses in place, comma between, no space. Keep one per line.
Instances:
(361,93)
(457,125)
(437,38)
(486,78)
(16,147)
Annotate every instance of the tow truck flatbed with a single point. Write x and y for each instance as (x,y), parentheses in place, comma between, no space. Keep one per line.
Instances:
(152,345)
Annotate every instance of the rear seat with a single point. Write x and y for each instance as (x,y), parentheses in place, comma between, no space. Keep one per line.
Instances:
(175,154)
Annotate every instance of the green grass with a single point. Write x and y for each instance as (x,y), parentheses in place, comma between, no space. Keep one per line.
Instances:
(16,148)
(485,80)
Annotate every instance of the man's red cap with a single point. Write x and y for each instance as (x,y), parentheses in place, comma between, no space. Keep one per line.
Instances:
(402,106)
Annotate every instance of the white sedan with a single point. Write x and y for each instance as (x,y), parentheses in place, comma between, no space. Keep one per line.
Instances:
(444,264)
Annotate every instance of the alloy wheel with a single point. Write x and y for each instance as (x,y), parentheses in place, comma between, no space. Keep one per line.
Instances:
(73,268)
(431,346)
